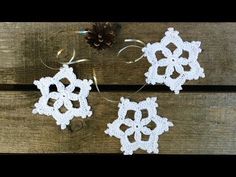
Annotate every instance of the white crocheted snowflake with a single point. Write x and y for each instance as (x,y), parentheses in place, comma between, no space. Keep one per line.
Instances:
(138,126)
(186,68)
(63,97)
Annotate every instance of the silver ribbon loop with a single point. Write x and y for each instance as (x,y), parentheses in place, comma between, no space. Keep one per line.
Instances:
(96,85)
(135,40)
(70,62)
(132,46)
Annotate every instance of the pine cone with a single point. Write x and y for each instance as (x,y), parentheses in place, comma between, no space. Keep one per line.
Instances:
(101,36)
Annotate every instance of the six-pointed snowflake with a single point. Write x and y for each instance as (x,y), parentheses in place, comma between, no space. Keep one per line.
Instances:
(138,126)
(177,68)
(63,97)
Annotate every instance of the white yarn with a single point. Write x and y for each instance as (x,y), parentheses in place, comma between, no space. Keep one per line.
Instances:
(138,126)
(173,61)
(63,96)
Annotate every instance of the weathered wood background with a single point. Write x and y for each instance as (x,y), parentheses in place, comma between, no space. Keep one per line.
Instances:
(205,122)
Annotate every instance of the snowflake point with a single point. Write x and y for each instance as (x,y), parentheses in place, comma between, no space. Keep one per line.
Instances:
(170,124)
(34,111)
(170,29)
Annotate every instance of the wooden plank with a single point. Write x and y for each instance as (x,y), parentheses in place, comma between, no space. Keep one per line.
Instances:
(204,124)
(23,44)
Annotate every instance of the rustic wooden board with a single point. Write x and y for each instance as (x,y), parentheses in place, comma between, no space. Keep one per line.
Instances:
(23,44)
(204,124)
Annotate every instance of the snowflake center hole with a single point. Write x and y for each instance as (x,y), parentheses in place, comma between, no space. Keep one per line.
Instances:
(130,114)
(131,138)
(159,55)
(52,88)
(145,137)
(175,75)
(65,81)
(152,125)
(63,109)
(172,47)
(76,104)
(51,102)
(161,70)
(185,54)
(144,113)
(187,68)
(124,127)
(76,91)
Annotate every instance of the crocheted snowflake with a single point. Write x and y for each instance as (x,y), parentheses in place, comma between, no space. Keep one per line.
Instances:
(178,68)
(138,126)
(64,97)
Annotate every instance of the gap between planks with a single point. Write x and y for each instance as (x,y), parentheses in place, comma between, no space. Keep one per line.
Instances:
(130,88)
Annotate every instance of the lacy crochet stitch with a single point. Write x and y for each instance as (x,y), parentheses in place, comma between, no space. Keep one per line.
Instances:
(138,126)
(63,97)
(173,61)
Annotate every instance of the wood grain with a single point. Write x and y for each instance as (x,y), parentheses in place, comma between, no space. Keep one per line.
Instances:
(22,45)
(204,123)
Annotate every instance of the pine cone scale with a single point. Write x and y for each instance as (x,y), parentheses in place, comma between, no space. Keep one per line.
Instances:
(101,36)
